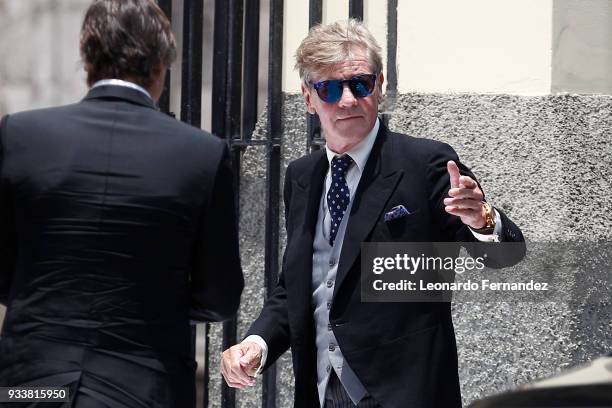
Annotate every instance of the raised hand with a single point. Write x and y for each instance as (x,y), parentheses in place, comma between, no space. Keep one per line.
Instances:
(465,198)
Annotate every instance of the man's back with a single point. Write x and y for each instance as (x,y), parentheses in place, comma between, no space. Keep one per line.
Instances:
(108,208)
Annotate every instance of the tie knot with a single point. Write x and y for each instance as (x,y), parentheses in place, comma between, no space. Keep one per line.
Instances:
(340,164)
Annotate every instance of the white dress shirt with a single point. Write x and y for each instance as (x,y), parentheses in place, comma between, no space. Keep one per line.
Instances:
(121,82)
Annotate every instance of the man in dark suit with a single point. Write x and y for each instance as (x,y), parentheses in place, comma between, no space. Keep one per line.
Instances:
(117,227)
(368,185)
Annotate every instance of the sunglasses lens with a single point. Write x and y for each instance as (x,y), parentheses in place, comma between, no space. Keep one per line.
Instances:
(362,85)
(330,91)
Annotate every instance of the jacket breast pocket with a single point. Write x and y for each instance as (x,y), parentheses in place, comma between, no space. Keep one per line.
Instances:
(406,228)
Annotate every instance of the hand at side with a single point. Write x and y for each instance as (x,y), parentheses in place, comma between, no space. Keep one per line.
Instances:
(239,364)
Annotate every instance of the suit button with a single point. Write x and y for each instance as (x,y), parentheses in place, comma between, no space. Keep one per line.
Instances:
(329,327)
(328,305)
(330,283)
(328,368)
(332,347)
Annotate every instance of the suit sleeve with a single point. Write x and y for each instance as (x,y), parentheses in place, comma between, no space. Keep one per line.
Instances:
(273,321)
(450,227)
(217,280)
(8,249)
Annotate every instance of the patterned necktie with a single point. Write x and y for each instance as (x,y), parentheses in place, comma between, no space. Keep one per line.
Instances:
(338,196)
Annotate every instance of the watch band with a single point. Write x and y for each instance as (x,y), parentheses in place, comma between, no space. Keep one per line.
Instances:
(489,215)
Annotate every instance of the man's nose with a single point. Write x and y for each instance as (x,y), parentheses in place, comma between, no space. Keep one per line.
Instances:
(347,99)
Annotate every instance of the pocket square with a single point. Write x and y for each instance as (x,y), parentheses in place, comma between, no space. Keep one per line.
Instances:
(396,212)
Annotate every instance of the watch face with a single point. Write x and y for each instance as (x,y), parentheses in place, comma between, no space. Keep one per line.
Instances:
(489,219)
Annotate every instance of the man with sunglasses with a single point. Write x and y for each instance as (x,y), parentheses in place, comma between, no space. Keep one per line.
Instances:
(368,184)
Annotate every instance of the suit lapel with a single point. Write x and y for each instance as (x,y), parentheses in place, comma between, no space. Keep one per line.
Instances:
(305,200)
(378,181)
(309,187)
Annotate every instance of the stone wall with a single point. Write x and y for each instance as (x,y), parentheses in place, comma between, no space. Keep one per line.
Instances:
(547,162)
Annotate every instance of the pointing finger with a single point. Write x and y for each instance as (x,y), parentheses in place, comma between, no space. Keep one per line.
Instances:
(453,171)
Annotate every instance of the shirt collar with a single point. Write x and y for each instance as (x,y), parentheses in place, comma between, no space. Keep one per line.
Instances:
(121,82)
(361,151)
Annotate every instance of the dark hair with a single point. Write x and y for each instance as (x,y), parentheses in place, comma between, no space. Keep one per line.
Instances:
(125,39)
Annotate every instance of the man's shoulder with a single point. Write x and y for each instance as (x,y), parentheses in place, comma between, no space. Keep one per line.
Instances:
(35,121)
(402,151)
(156,120)
(183,138)
(168,123)
(64,122)
(36,115)
(404,143)
(307,161)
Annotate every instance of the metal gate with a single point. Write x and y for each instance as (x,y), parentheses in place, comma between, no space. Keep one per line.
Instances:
(234,114)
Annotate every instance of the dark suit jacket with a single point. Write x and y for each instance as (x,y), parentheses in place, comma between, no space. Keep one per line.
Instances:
(403,353)
(116,228)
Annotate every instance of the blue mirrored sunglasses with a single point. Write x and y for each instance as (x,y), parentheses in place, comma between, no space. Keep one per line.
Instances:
(330,90)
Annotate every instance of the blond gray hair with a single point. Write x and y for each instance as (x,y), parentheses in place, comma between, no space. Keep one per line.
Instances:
(329,45)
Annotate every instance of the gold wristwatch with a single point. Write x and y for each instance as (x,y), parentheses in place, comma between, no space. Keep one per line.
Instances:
(489,215)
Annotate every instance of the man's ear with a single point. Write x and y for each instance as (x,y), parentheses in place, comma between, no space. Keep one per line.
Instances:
(379,84)
(307,99)
(158,79)
(159,69)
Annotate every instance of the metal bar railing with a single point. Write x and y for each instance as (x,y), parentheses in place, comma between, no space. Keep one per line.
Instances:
(391,91)
(273,176)
(250,82)
(234,116)
(191,108)
(233,102)
(164,100)
(220,71)
(226,119)
(356,9)
(313,125)
(392,46)
(233,122)
(191,90)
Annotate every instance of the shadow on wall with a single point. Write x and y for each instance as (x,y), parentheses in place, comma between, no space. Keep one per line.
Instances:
(2,103)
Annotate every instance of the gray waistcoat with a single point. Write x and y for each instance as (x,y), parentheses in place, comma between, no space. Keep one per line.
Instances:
(324,267)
